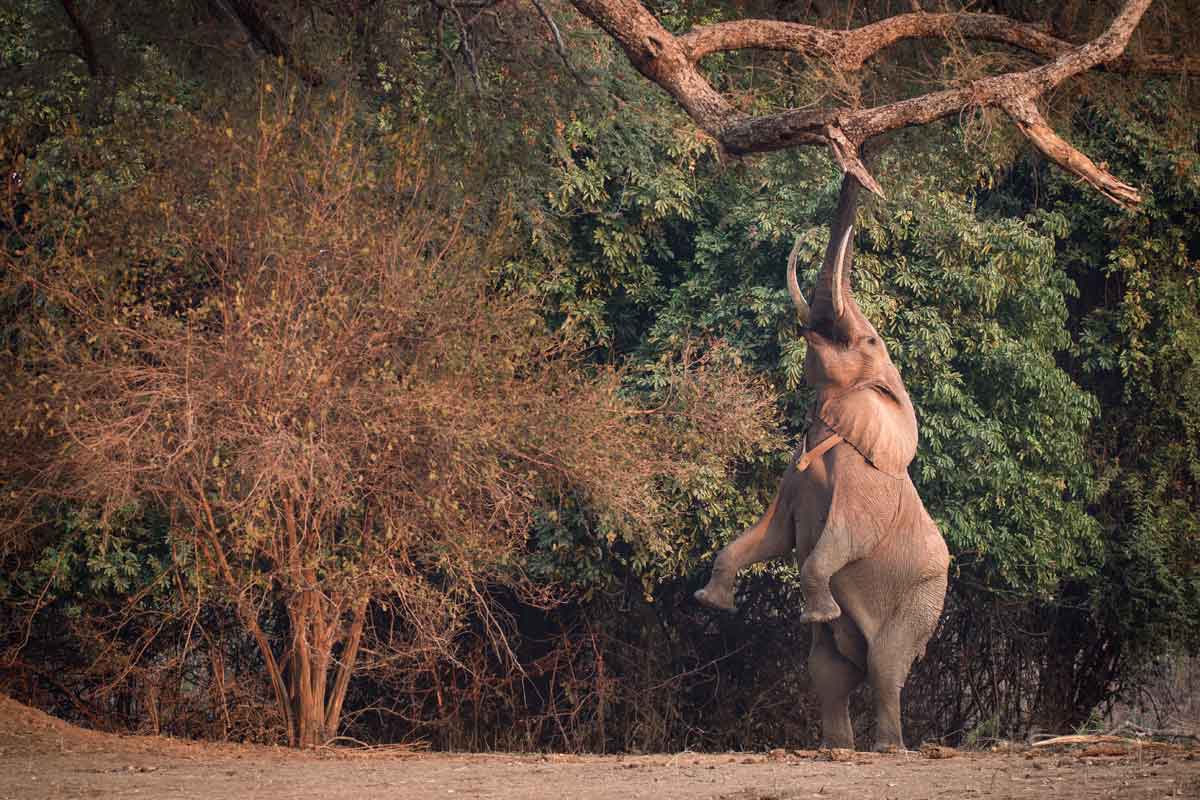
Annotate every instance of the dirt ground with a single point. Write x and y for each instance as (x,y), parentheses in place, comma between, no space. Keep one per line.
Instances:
(41,757)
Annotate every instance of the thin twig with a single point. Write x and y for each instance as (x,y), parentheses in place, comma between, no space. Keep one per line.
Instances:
(558,41)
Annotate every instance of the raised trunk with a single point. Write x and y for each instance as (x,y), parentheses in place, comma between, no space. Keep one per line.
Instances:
(823,303)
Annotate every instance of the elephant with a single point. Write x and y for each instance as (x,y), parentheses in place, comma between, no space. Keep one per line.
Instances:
(874,564)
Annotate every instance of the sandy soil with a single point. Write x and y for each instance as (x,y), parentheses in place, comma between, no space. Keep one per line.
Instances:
(41,757)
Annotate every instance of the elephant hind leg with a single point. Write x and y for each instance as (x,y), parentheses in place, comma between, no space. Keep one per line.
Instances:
(834,677)
(891,654)
(771,537)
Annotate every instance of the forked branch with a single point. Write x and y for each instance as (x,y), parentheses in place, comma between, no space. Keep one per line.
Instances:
(671,62)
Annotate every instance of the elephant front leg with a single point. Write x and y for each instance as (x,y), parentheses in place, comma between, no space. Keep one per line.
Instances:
(831,552)
(863,502)
(771,537)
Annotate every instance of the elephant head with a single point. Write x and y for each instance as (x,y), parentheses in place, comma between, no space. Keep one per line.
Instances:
(859,392)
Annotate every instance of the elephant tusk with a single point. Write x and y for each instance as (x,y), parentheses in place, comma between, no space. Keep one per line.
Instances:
(839,302)
(793,285)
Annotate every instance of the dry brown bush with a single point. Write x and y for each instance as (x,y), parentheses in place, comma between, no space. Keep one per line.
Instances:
(286,338)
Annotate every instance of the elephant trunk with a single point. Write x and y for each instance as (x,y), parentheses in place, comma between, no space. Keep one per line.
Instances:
(832,294)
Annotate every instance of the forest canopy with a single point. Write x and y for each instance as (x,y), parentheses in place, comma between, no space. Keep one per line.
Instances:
(394,369)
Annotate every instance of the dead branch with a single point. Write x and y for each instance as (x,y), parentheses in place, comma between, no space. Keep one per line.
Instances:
(1154,733)
(87,41)
(1063,741)
(671,62)
(264,34)
(559,47)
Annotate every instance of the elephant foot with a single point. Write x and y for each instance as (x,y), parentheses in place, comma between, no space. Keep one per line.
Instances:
(716,597)
(823,609)
(885,747)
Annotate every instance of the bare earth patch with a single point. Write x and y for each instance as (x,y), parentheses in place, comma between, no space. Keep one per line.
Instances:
(41,757)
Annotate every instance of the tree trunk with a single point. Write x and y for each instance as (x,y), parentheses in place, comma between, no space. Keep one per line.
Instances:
(87,41)
(317,682)
(310,722)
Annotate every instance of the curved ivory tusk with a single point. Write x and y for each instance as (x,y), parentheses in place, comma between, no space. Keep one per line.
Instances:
(839,302)
(794,286)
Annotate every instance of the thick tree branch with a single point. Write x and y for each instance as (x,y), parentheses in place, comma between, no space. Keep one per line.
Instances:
(659,56)
(670,62)
(86,41)
(850,49)
(265,36)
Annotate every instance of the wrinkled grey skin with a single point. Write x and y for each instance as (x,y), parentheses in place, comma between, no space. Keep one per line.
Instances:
(874,564)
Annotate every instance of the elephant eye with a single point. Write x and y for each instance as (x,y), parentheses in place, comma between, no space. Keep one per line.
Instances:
(871,340)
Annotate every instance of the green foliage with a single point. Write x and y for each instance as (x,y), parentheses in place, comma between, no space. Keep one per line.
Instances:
(44,104)
(603,241)
(90,560)
(1139,351)
(979,309)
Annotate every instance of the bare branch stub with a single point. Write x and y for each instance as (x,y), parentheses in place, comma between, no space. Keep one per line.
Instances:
(847,155)
(671,62)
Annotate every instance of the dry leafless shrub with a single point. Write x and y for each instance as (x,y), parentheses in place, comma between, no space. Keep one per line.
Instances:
(289,342)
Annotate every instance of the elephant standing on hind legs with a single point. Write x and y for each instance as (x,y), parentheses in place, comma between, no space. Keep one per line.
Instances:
(874,564)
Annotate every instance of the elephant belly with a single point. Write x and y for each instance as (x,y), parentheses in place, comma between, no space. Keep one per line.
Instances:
(897,560)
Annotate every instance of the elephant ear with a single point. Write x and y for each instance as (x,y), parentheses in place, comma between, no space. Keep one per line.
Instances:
(878,420)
